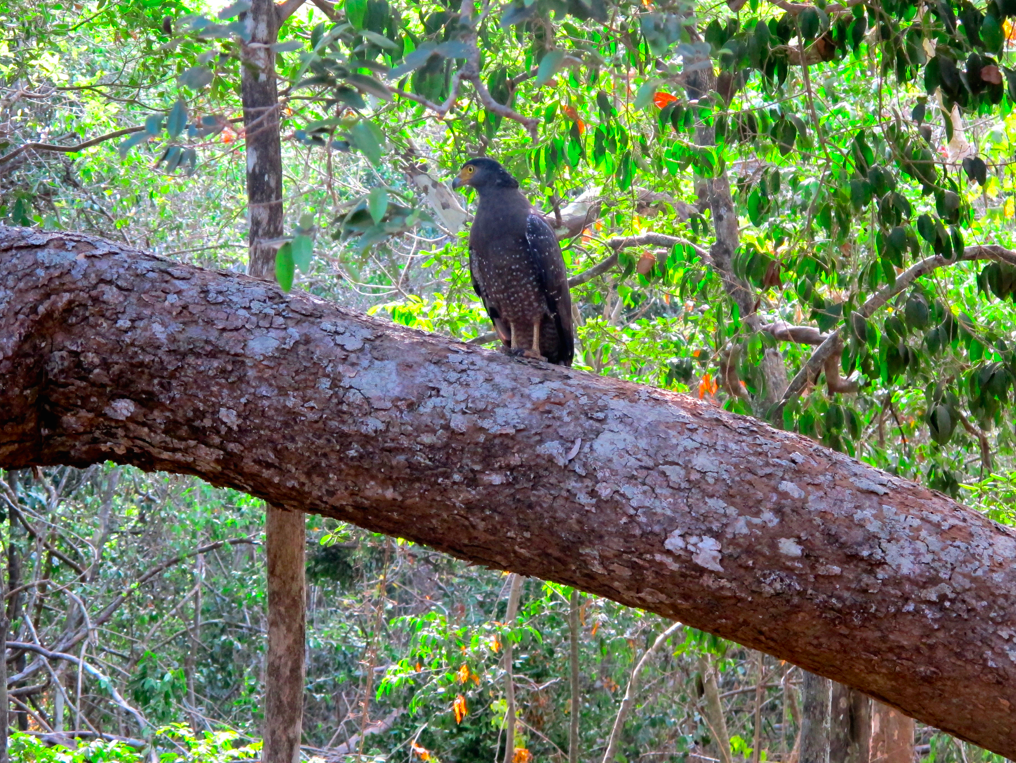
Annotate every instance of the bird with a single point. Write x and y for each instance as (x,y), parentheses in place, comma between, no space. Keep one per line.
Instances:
(516,267)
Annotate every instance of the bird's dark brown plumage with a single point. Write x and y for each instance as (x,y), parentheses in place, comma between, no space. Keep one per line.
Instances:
(516,266)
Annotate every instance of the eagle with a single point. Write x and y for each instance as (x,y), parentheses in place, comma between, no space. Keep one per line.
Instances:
(517,268)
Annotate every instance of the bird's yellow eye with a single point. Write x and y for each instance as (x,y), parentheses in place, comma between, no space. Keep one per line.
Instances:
(469,169)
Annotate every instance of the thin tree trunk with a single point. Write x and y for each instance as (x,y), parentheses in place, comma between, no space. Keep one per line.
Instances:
(849,726)
(756,741)
(4,701)
(650,498)
(509,679)
(892,735)
(285,539)
(573,661)
(713,710)
(815,720)
(791,712)
(629,696)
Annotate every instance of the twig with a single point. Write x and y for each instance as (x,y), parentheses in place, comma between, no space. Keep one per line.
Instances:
(982,441)
(573,626)
(509,681)
(629,695)
(810,370)
(103,680)
(67,149)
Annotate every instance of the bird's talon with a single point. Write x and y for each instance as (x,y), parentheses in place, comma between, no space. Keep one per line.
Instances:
(534,355)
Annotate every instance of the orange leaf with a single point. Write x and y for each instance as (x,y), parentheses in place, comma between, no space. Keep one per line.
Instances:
(570,112)
(707,386)
(419,667)
(581,125)
(463,673)
(522,755)
(662,99)
(459,708)
(645,264)
(421,752)
(496,645)
(596,627)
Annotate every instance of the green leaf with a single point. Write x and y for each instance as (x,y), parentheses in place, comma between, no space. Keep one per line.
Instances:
(549,66)
(926,227)
(196,77)
(368,139)
(808,22)
(284,266)
(377,203)
(288,46)
(940,423)
(992,34)
(153,124)
(302,250)
(235,9)
(644,97)
(132,141)
(379,39)
(369,85)
(177,119)
(356,12)
(916,312)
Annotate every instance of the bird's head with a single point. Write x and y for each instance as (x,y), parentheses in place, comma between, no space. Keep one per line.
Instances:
(484,173)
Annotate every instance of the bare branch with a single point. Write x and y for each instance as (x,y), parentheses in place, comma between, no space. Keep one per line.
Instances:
(785,332)
(629,694)
(67,149)
(92,670)
(286,8)
(810,370)
(531,125)
(327,8)
(982,442)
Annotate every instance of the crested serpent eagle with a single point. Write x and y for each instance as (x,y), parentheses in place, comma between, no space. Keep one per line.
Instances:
(516,267)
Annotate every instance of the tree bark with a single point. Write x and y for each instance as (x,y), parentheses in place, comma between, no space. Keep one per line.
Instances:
(712,709)
(815,719)
(650,498)
(286,535)
(892,735)
(850,726)
(573,664)
(515,591)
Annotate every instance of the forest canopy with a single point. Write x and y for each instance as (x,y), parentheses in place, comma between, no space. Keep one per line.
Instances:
(799,212)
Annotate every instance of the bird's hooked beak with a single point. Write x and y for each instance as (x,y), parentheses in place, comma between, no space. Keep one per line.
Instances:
(460,180)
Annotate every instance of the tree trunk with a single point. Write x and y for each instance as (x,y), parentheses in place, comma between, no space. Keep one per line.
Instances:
(515,591)
(815,720)
(850,726)
(712,709)
(650,498)
(285,537)
(285,540)
(573,664)
(892,735)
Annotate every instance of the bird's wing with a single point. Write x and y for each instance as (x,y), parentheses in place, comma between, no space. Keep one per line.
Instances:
(545,254)
(499,326)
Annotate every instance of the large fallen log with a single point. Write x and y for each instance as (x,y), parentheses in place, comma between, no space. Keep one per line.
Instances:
(649,498)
